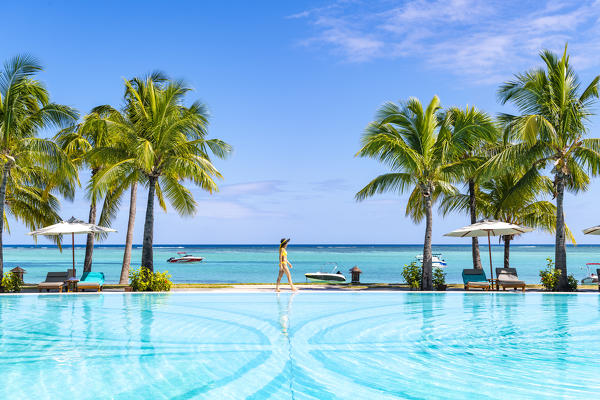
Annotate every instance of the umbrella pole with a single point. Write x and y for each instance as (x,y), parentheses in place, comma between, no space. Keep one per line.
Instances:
(490,252)
(73,248)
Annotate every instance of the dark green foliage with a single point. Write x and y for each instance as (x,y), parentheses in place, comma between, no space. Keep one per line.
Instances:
(549,278)
(12,282)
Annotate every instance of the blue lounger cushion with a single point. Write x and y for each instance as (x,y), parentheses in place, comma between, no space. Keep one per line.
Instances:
(91,279)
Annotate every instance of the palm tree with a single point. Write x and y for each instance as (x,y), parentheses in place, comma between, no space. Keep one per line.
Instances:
(502,199)
(78,141)
(474,132)
(167,145)
(121,174)
(26,160)
(550,133)
(413,143)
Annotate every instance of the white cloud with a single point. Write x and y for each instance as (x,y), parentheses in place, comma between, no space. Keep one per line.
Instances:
(480,41)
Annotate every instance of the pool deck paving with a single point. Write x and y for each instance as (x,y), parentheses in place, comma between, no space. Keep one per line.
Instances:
(303,287)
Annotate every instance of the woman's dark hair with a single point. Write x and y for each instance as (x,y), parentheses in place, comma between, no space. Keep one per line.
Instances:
(284,242)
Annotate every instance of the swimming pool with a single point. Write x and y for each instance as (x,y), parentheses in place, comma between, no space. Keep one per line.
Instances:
(304,346)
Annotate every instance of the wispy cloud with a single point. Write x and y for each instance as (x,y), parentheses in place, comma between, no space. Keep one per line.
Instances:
(480,41)
(251,188)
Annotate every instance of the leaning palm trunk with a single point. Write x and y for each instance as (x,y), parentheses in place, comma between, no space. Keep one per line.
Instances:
(560,248)
(89,244)
(5,172)
(147,256)
(427,282)
(474,240)
(124,279)
(507,239)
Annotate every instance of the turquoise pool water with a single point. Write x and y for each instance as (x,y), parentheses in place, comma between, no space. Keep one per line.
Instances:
(306,346)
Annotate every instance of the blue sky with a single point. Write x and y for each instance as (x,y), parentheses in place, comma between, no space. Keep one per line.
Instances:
(291,85)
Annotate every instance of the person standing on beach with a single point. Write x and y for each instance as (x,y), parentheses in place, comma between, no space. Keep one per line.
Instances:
(284,264)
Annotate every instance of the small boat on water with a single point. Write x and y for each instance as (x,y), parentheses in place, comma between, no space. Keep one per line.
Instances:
(591,277)
(437,260)
(331,277)
(183,257)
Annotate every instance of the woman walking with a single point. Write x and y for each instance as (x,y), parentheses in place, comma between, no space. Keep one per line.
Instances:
(283,265)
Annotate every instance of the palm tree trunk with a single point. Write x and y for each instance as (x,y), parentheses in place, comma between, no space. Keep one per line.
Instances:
(507,239)
(89,244)
(560,246)
(5,172)
(147,256)
(124,279)
(426,280)
(474,240)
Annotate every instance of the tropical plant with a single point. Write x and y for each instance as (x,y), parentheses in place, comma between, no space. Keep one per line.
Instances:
(12,283)
(167,145)
(474,134)
(550,278)
(412,274)
(550,133)
(145,280)
(413,143)
(439,279)
(32,167)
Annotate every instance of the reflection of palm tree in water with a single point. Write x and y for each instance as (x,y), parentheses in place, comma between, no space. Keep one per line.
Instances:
(284,322)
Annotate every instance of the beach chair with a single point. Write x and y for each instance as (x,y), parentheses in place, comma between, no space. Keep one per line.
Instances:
(475,279)
(54,280)
(91,280)
(508,278)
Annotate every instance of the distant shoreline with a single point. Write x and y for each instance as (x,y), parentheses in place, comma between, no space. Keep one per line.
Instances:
(327,245)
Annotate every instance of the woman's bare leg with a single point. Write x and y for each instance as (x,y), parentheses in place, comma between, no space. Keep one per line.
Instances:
(279,280)
(289,278)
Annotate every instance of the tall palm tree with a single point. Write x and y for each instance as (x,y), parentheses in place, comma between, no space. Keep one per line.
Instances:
(27,160)
(78,141)
(168,146)
(474,132)
(504,200)
(413,143)
(120,173)
(550,132)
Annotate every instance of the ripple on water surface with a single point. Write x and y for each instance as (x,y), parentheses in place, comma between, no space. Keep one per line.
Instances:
(311,345)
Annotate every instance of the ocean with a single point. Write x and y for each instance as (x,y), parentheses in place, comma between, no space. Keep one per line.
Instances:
(258,263)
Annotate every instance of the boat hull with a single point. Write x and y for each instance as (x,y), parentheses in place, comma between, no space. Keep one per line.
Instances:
(323,277)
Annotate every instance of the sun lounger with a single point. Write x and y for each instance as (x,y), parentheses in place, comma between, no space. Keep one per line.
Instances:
(475,279)
(91,280)
(54,280)
(508,278)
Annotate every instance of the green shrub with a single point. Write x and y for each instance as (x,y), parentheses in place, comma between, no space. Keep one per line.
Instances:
(144,280)
(12,282)
(439,279)
(550,276)
(412,275)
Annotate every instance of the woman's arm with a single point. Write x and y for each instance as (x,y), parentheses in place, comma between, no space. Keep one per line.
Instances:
(288,263)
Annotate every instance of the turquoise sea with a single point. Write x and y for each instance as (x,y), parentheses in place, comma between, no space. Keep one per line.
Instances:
(258,263)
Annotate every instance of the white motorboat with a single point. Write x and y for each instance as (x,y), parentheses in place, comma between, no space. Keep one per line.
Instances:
(437,260)
(184,258)
(591,277)
(335,276)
